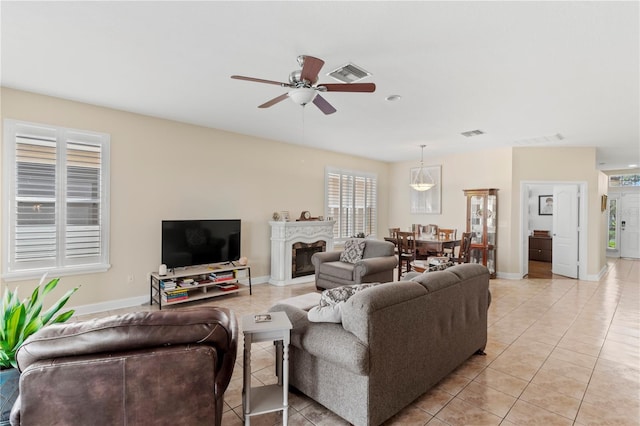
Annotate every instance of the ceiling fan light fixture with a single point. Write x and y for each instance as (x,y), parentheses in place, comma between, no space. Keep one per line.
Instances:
(423,181)
(302,95)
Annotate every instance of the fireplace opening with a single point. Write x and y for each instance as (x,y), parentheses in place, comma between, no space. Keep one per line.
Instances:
(301,258)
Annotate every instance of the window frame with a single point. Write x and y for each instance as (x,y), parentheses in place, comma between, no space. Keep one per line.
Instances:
(61,263)
(367,225)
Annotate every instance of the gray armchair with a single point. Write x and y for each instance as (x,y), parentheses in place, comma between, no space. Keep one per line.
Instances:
(376,265)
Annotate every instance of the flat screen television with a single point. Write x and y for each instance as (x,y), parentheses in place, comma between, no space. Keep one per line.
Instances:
(200,242)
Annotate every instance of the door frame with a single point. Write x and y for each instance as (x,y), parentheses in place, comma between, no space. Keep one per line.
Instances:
(582,224)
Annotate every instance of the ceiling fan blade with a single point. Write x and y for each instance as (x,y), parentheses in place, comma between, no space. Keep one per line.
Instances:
(348,87)
(311,68)
(323,105)
(274,101)
(260,80)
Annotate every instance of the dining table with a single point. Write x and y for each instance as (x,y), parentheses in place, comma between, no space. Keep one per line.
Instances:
(429,246)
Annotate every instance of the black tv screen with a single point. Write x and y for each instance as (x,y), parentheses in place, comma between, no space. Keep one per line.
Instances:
(200,242)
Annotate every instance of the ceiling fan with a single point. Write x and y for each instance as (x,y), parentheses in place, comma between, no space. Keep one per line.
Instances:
(304,88)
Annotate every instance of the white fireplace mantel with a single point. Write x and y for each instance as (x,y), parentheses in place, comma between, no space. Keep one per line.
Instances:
(284,235)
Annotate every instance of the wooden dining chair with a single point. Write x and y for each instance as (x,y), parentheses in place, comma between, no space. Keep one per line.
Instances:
(465,248)
(406,250)
(393,235)
(447,234)
(431,230)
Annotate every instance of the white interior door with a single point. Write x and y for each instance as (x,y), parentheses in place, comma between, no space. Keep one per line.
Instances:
(565,231)
(629,225)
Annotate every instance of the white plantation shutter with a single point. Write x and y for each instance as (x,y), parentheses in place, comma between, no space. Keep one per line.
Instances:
(351,200)
(56,208)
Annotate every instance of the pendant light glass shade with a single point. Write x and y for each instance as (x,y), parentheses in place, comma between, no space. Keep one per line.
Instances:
(423,180)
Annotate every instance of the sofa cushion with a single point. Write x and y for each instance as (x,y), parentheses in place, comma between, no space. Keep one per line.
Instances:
(353,250)
(340,270)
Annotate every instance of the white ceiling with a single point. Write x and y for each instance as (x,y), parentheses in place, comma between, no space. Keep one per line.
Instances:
(519,71)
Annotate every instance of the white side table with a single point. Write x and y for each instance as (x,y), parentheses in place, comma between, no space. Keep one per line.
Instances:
(265,399)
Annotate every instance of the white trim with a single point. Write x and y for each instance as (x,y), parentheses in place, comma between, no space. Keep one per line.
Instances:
(583,227)
(59,264)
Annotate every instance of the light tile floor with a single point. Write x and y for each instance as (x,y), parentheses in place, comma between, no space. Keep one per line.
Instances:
(560,352)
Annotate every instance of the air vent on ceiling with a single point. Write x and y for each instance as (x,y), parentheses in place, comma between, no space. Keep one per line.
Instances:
(539,140)
(471,133)
(349,73)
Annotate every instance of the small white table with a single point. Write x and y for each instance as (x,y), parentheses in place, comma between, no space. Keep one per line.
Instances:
(265,399)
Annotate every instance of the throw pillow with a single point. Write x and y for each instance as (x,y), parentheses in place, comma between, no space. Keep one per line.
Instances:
(331,301)
(441,266)
(341,294)
(331,313)
(353,250)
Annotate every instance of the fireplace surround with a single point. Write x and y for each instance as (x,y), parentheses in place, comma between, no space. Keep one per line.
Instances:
(304,238)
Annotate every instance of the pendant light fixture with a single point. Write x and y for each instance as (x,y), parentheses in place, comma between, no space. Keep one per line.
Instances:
(423,180)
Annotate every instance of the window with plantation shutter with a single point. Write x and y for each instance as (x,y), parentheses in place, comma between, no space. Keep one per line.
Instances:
(55,206)
(351,200)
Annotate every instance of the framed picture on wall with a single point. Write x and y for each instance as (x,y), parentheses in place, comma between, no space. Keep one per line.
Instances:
(545,205)
(427,202)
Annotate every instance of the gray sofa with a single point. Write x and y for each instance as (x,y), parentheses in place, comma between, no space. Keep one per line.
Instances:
(396,341)
(377,265)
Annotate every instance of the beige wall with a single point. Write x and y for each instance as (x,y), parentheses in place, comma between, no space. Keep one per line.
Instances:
(484,169)
(505,169)
(563,165)
(163,169)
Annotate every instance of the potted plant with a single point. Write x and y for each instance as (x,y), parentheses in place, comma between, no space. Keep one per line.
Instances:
(19,320)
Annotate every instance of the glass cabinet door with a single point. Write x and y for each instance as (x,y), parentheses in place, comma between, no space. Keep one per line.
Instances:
(477,218)
(482,220)
(492,219)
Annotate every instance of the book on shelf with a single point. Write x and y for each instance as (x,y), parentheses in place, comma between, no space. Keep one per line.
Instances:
(220,275)
(175,299)
(227,287)
(167,284)
(176,293)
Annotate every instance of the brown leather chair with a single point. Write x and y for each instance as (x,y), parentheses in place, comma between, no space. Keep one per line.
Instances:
(167,367)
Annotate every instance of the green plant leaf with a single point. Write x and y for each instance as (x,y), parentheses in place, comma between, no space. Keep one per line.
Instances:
(20,319)
(14,326)
(63,316)
(46,317)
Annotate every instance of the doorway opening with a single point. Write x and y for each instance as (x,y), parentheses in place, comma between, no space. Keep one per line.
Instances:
(565,246)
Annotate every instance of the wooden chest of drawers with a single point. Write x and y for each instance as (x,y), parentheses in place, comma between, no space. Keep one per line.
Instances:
(540,248)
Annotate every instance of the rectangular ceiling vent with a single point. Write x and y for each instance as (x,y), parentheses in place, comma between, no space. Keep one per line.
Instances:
(349,73)
(472,133)
(539,140)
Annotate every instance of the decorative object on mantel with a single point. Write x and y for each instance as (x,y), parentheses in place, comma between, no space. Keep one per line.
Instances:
(275,216)
(422,179)
(305,215)
(284,216)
